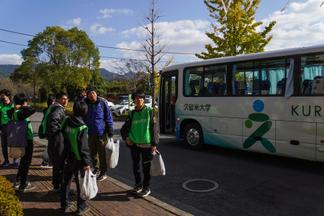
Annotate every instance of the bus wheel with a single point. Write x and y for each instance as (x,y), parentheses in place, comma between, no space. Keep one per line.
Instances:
(193,136)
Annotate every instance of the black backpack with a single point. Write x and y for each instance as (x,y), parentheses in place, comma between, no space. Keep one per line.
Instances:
(124,130)
(16,132)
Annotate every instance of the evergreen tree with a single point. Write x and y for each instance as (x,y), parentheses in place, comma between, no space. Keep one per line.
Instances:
(235,31)
(58,59)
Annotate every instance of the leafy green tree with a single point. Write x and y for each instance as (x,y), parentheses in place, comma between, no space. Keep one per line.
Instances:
(235,31)
(58,59)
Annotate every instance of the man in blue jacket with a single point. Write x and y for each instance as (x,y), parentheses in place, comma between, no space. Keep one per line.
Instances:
(99,122)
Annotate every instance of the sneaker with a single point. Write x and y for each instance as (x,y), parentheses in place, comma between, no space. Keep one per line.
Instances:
(96,172)
(46,166)
(5,164)
(145,192)
(102,177)
(83,211)
(15,164)
(26,187)
(16,185)
(137,189)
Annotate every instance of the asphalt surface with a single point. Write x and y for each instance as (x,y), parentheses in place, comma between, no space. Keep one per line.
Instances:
(249,183)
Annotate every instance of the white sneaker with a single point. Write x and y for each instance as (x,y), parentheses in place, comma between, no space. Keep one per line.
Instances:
(145,192)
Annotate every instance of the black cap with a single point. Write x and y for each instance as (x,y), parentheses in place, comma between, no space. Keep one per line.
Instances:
(139,94)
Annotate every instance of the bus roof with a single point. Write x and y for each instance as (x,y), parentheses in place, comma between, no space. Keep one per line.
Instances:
(254,56)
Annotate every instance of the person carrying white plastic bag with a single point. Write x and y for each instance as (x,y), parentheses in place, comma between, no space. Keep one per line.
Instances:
(112,153)
(89,188)
(140,133)
(157,165)
(77,161)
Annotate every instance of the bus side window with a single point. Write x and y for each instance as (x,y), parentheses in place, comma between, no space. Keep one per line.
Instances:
(222,89)
(307,87)
(265,87)
(240,88)
(312,71)
(318,86)
(281,86)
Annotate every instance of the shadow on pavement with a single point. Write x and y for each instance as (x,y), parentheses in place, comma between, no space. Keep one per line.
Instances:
(47,212)
(38,197)
(122,196)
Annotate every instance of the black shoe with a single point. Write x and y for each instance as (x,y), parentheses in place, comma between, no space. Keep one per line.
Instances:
(137,189)
(56,190)
(145,192)
(67,209)
(72,192)
(102,177)
(96,172)
(83,211)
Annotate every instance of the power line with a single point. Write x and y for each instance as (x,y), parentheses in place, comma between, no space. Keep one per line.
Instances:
(110,57)
(10,31)
(141,50)
(8,42)
(104,46)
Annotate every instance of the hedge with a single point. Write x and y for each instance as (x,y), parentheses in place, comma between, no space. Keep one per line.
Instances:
(9,202)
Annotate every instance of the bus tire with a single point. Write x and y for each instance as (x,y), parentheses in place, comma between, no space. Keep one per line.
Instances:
(193,136)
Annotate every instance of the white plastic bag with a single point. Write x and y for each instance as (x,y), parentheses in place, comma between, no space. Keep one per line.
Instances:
(88,184)
(157,165)
(112,153)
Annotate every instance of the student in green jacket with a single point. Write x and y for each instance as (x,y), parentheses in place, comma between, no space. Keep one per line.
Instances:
(21,112)
(142,142)
(77,156)
(4,120)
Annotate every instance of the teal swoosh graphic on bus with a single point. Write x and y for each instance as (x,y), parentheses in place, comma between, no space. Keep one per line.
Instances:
(214,139)
(258,134)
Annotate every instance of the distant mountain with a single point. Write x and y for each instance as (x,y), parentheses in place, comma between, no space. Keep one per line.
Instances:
(7,69)
(114,76)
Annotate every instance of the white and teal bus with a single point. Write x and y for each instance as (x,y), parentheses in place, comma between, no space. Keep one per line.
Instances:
(270,102)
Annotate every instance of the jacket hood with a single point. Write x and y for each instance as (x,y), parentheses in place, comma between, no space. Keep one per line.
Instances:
(75,121)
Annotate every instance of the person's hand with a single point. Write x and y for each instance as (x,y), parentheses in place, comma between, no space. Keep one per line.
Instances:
(86,168)
(153,149)
(128,142)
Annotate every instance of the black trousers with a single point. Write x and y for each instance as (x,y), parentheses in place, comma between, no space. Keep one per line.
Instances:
(56,155)
(71,168)
(4,143)
(25,162)
(145,156)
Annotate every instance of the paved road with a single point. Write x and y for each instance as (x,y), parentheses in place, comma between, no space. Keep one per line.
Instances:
(249,183)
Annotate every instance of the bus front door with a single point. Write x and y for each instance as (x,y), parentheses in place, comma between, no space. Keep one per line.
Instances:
(168,97)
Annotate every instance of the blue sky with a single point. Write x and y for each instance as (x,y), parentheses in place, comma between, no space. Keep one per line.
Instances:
(119,24)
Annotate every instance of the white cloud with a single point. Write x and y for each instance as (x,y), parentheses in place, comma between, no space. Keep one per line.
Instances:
(178,36)
(299,24)
(75,22)
(108,12)
(10,59)
(98,29)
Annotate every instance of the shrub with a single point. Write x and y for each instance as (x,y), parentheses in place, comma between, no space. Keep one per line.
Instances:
(41,106)
(6,186)
(9,202)
(10,205)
